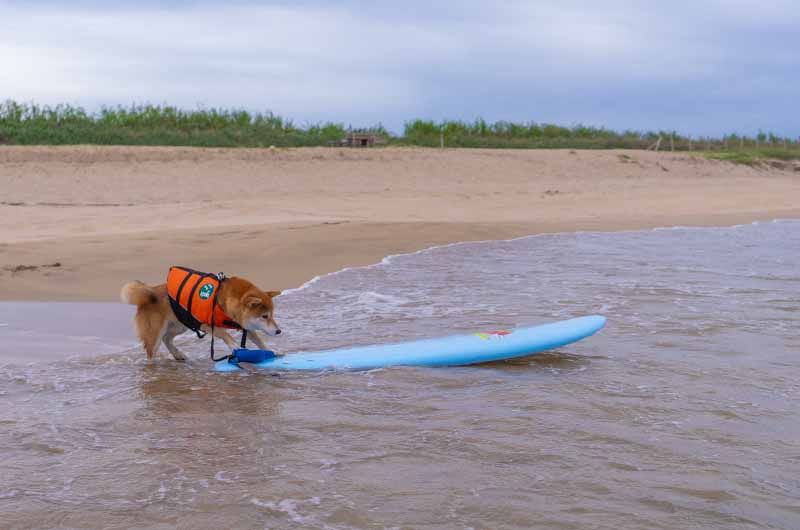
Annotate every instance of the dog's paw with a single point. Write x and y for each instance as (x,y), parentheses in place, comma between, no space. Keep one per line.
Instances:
(180,357)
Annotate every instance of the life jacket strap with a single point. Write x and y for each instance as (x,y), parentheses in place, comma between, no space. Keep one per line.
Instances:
(221,278)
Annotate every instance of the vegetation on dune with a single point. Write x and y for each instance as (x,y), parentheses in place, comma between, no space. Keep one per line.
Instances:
(31,124)
(542,135)
(521,135)
(754,156)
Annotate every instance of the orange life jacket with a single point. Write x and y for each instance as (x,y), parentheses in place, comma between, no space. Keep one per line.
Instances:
(193,297)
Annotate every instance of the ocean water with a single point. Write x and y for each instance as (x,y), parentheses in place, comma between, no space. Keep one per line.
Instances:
(683,413)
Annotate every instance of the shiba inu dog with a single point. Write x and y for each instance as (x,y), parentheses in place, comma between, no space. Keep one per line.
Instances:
(201,302)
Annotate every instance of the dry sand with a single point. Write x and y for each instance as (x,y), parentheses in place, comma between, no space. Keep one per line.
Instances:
(106,215)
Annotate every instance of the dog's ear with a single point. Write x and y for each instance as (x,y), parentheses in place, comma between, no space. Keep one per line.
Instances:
(252,301)
(273,294)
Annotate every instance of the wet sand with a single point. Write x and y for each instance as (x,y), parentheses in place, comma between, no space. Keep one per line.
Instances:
(33,332)
(80,221)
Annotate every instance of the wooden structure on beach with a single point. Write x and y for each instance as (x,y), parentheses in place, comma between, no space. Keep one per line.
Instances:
(363,138)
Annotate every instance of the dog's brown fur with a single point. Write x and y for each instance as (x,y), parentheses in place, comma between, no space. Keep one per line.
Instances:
(155,322)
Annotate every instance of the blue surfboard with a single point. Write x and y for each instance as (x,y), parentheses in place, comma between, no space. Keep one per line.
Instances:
(455,350)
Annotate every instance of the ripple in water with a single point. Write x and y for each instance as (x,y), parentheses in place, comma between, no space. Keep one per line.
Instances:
(682,413)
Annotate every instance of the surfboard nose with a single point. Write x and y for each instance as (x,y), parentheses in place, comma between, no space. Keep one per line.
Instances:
(598,320)
(585,326)
(592,323)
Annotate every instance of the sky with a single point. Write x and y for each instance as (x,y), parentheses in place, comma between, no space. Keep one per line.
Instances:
(700,67)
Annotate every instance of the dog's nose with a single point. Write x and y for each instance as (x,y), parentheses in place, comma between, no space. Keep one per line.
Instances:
(277,332)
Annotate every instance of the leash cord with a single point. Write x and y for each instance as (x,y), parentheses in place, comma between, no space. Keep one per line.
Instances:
(221,278)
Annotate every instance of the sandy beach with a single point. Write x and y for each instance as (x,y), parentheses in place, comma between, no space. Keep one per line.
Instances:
(77,222)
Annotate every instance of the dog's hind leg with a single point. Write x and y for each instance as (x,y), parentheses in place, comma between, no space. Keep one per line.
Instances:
(173,330)
(150,327)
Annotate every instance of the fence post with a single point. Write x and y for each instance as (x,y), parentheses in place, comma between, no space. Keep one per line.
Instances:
(441,138)
(672,142)
(656,146)
(690,142)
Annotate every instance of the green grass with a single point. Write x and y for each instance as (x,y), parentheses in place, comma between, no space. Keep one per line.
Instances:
(753,157)
(529,135)
(32,124)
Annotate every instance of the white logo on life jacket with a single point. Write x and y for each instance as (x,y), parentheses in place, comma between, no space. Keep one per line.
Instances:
(206,291)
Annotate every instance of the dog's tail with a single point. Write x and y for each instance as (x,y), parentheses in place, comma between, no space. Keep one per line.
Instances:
(138,294)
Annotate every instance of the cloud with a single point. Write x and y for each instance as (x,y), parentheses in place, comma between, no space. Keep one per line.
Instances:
(702,67)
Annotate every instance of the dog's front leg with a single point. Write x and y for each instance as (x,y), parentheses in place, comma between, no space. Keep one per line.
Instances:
(252,335)
(220,333)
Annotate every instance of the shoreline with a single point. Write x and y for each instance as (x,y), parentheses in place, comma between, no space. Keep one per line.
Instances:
(42,284)
(794,215)
(103,323)
(79,222)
